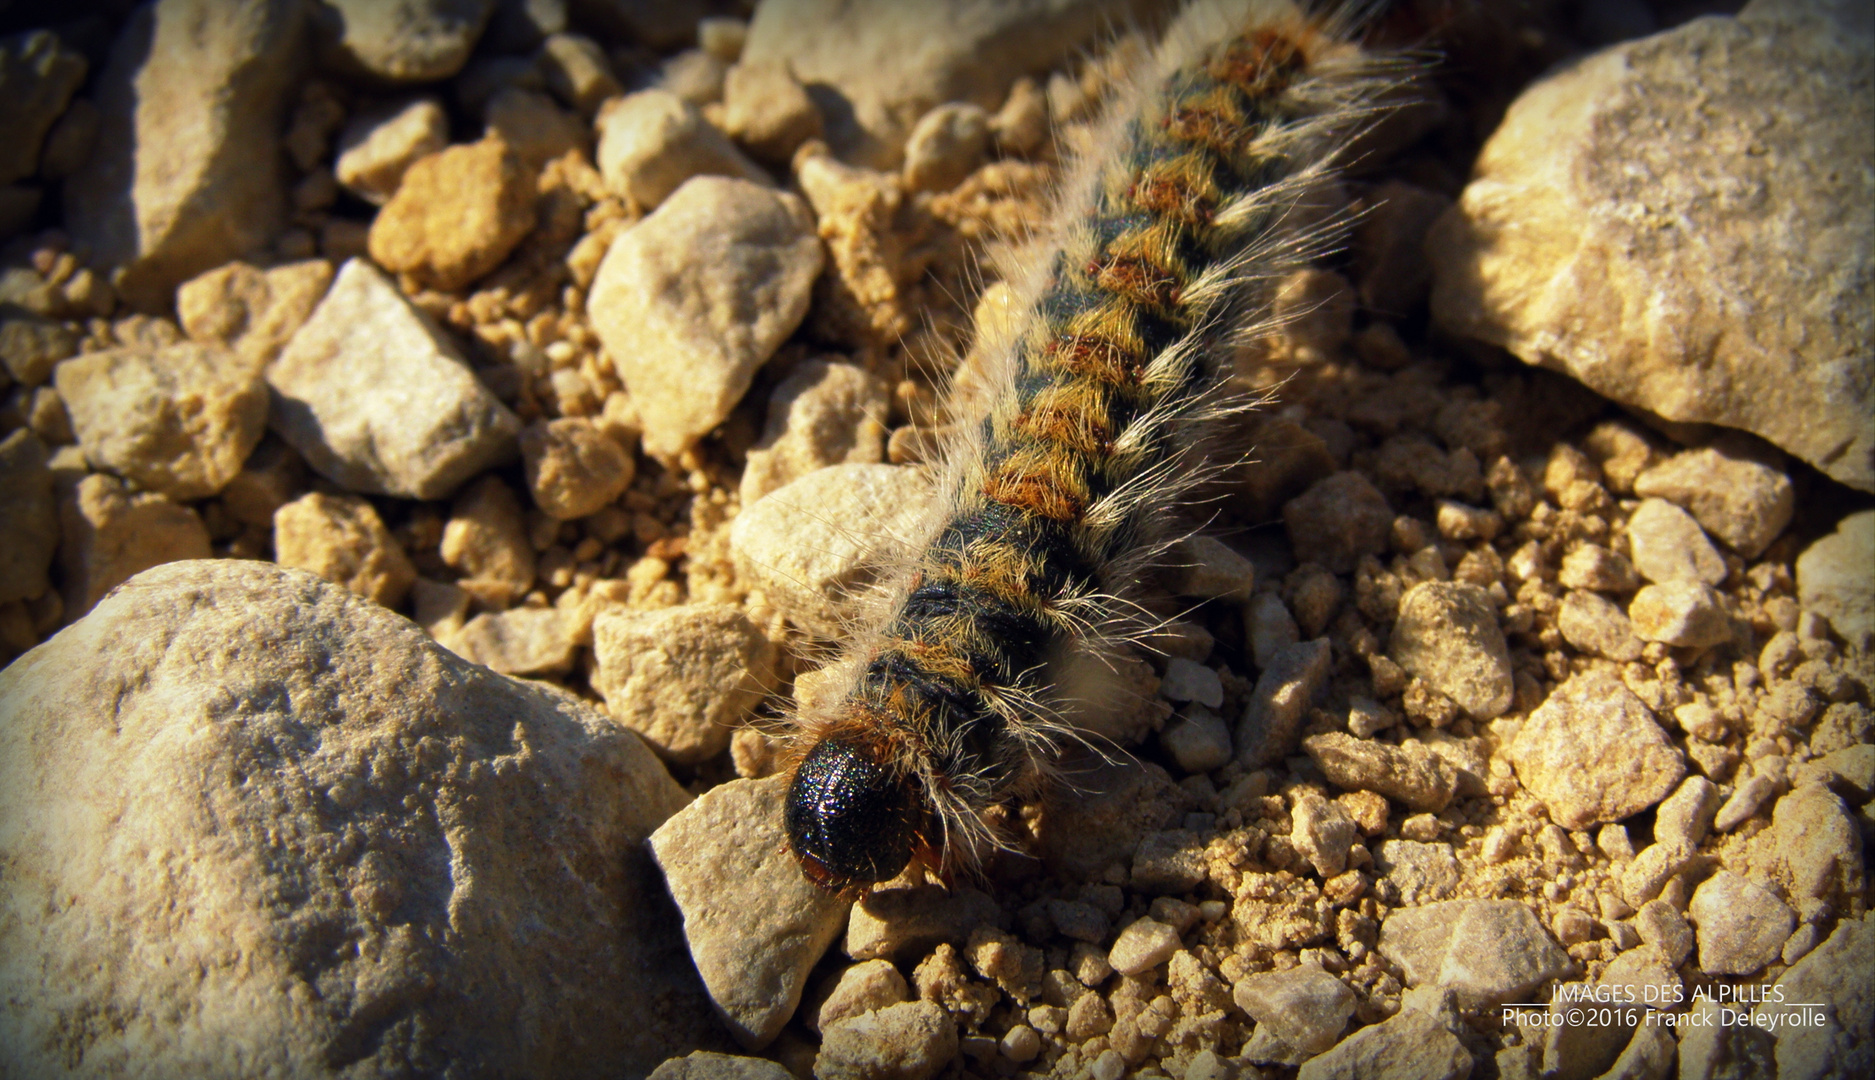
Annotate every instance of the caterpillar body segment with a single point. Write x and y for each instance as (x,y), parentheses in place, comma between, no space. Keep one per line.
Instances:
(1056,500)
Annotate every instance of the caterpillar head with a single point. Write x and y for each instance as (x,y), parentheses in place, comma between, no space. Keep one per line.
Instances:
(851,820)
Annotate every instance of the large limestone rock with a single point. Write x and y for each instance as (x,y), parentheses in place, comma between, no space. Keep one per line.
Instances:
(187,170)
(1681,223)
(270,829)
(876,66)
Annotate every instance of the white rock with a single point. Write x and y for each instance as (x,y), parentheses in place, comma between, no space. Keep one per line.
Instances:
(297,767)
(1486,951)
(861,988)
(1410,1046)
(691,300)
(1269,626)
(756,927)
(520,641)
(1186,680)
(824,413)
(1299,1012)
(1680,612)
(374,397)
(1835,973)
(1144,944)
(1595,625)
(913,1040)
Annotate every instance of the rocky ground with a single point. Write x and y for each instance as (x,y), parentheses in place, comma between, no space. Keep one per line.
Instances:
(437,448)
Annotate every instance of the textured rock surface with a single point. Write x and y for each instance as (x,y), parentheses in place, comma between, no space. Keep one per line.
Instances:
(1408,773)
(1741,925)
(352,845)
(1283,693)
(187,172)
(681,677)
(375,398)
(755,925)
(1749,136)
(1743,502)
(691,300)
(1593,753)
(824,413)
(913,1040)
(573,467)
(253,311)
(1410,1046)
(179,420)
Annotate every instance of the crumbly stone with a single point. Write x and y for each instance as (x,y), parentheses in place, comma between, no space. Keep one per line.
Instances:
(824,413)
(108,533)
(456,215)
(253,311)
(1448,635)
(179,420)
(486,540)
(682,677)
(341,539)
(1595,625)
(573,467)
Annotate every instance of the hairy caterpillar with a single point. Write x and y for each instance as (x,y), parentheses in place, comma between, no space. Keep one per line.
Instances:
(1163,255)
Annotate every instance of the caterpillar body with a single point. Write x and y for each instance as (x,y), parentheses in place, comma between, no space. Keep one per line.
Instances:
(1054,504)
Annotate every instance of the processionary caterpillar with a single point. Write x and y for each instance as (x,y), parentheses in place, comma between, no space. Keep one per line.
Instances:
(1167,243)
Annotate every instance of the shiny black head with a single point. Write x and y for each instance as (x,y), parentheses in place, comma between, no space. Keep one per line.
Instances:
(851,822)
